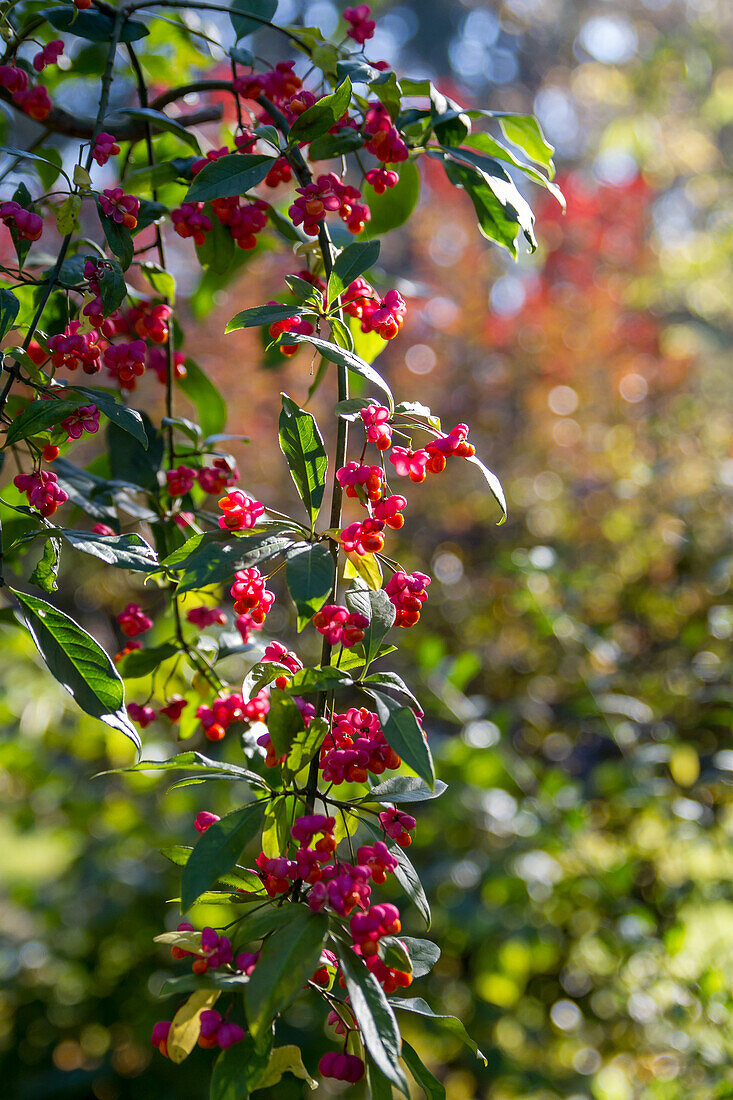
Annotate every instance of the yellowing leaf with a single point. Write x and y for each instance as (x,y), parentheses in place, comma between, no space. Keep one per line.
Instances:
(186,1024)
(189,941)
(68,214)
(82,178)
(284,1060)
(365,566)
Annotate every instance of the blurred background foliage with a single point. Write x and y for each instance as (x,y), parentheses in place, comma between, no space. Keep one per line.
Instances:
(575,663)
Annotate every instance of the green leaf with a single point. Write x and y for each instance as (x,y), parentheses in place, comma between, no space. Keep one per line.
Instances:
(234,174)
(379,1086)
(261,315)
(216,254)
(161,280)
(526,132)
(309,572)
(401,731)
(451,1023)
(187,983)
(9,306)
(86,491)
(404,788)
(376,1020)
(394,207)
(159,121)
(210,405)
(276,829)
(46,571)
(141,662)
(129,420)
(352,262)
(148,213)
(118,237)
(389,93)
(393,953)
(379,610)
(322,115)
(500,208)
(194,762)
(354,658)
(494,485)
(264,9)
(284,721)
(409,880)
(427,1081)
(213,563)
(485,143)
(123,551)
(311,680)
(131,461)
(304,747)
(302,444)
(391,682)
(423,954)
(37,417)
(358,69)
(218,851)
(112,287)
(288,959)
(346,140)
(286,1059)
(343,358)
(259,676)
(264,921)
(95,26)
(237,1069)
(406,875)
(79,663)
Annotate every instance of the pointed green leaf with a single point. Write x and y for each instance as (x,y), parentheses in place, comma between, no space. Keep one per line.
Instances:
(401,731)
(158,122)
(309,573)
(237,1069)
(210,405)
(302,444)
(526,132)
(46,571)
(428,1082)
(451,1023)
(288,959)
(377,1023)
(343,358)
(78,662)
(284,721)
(218,851)
(403,788)
(322,115)
(392,209)
(263,10)
(352,262)
(379,610)
(233,174)
(262,315)
(9,306)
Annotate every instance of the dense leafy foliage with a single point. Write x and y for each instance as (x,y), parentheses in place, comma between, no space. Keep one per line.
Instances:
(314,736)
